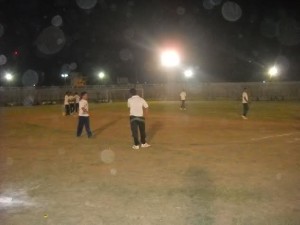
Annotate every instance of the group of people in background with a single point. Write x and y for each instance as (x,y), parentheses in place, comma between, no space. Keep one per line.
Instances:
(138,108)
(71,103)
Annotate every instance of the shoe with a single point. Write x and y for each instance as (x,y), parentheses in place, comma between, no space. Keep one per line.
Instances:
(244,117)
(136,147)
(145,145)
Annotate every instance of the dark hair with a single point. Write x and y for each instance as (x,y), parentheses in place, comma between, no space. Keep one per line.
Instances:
(132,91)
(82,94)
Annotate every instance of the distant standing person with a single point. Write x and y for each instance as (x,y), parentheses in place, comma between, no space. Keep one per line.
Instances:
(84,117)
(71,103)
(182,98)
(77,99)
(66,104)
(138,107)
(245,101)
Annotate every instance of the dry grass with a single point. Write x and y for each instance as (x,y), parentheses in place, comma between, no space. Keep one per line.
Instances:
(206,166)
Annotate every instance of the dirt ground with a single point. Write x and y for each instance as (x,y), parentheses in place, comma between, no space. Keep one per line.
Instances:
(206,166)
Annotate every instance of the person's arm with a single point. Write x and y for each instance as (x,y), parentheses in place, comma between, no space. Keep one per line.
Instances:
(84,109)
(128,104)
(246,98)
(145,109)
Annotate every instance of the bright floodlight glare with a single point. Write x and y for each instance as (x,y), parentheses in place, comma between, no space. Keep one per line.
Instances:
(9,76)
(188,73)
(101,75)
(64,75)
(170,58)
(273,71)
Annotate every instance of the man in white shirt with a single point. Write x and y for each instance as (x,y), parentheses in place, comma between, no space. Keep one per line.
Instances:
(66,104)
(84,117)
(182,98)
(245,104)
(138,106)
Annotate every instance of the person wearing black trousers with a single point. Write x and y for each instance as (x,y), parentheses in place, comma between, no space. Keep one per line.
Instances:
(137,106)
(245,101)
(67,104)
(84,117)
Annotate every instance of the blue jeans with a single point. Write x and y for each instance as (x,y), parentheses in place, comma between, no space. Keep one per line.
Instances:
(138,124)
(84,121)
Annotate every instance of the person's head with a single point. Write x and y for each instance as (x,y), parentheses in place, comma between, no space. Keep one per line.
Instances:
(67,93)
(245,89)
(84,95)
(76,93)
(133,91)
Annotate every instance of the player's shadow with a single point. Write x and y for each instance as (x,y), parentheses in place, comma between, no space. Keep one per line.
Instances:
(105,126)
(154,128)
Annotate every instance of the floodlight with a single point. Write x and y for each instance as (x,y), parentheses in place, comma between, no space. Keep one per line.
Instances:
(188,73)
(9,77)
(273,71)
(101,75)
(170,58)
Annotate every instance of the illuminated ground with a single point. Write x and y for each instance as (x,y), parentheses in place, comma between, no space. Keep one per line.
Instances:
(206,166)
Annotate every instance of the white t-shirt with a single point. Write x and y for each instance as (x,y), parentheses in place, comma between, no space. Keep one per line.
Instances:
(71,99)
(77,98)
(66,102)
(83,104)
(245,97)
(183,95)
(136,105)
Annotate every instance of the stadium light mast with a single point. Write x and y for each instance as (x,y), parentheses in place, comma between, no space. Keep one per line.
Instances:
(188,73)
(65,76)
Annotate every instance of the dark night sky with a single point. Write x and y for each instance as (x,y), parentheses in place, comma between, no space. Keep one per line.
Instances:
(124,37)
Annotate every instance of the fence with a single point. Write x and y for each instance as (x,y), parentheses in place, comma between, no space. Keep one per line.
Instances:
(195,91)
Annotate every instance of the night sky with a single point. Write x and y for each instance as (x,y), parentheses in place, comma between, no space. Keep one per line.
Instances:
(124,38)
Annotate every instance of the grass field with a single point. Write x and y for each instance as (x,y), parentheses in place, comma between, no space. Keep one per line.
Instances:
(206,166)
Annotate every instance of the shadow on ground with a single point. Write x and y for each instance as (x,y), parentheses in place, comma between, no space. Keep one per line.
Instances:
(154,128)
(106,126)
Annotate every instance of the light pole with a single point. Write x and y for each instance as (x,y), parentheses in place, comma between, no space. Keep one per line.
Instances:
(188,73)
(273,72)
(170,59)
(65,76)
(9,78)
(101,76)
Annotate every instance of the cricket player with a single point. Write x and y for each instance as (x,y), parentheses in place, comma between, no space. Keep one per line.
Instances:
(182,98)
(138,107)
(84,117)
(66,104)
(245,101)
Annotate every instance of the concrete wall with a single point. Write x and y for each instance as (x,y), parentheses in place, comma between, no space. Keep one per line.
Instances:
(195,91)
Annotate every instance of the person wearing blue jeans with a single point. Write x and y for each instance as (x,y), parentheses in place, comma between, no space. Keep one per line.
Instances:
(138,107)
(84,117)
